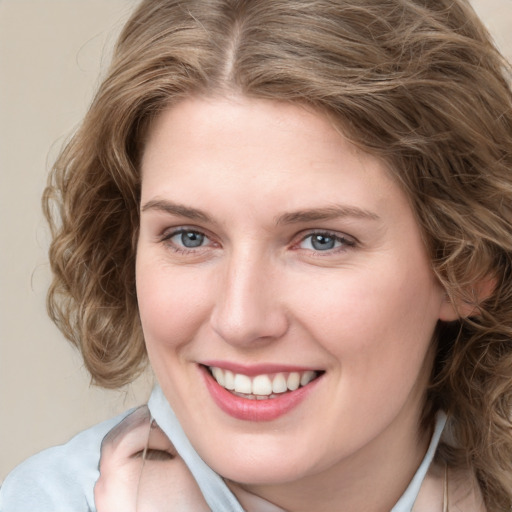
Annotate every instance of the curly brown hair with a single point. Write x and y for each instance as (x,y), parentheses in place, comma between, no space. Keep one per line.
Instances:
(415,82)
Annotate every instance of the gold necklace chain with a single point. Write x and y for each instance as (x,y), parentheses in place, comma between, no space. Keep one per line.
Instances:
(445,490)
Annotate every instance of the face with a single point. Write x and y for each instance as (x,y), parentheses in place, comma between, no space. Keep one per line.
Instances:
(278,260)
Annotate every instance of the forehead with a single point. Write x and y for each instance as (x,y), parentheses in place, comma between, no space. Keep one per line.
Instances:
(259,155)
(241,123)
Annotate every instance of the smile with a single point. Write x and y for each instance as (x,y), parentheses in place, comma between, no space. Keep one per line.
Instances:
(260,396)
(264,386)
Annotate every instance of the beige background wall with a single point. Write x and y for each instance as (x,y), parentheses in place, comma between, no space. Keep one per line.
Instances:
(51,54)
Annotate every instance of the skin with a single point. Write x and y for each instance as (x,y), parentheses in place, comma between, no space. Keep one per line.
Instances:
(163,483)
(127,483)
(256,291)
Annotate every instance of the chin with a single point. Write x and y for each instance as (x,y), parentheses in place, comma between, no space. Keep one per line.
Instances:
(260,472)
(259,460)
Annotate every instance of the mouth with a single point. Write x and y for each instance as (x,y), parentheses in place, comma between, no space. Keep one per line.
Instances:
(264,386)
(259,396)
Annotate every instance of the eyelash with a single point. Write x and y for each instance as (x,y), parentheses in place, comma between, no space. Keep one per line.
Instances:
(344,241)
(181,249)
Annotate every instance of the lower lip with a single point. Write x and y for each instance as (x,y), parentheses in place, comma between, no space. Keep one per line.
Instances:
(255,410)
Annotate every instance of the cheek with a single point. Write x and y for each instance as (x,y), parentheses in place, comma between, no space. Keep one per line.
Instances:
(172,304)
(379,324)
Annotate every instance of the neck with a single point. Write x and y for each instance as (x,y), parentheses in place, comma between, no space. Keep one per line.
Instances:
(371,480)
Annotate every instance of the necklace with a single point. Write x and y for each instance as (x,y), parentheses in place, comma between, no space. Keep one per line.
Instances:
(445,489)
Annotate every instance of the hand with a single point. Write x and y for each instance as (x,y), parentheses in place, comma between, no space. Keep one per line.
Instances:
(140,471)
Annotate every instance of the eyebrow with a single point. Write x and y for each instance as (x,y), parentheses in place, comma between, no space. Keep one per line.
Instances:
(308,215)
(328,213)
(176,209)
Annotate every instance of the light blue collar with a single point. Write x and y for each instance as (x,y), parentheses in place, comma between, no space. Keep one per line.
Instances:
(214,489)
(406,502)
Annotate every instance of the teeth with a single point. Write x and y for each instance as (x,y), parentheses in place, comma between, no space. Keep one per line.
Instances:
(243,384)
(293,381)
(229,380)
(307,377)
(262,386)
(279,384)
(219,376)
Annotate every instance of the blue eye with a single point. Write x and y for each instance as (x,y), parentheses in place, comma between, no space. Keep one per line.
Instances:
(187,238)
(324,242)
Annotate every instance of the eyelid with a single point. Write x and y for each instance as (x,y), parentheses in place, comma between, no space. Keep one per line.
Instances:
(346,240)
(170,232)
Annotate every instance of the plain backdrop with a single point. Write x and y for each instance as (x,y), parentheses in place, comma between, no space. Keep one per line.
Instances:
(52,53)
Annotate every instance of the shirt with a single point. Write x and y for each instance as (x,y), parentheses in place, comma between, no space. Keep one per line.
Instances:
(62,478)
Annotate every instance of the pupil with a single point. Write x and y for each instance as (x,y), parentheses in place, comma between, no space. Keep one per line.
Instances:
(191,239)
(322,243)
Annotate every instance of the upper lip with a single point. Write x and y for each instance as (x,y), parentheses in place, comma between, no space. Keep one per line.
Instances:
(252,370)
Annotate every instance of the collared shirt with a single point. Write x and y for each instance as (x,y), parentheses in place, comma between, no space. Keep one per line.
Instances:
(62,478)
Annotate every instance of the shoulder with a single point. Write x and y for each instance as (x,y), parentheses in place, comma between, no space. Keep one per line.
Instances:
(61,478)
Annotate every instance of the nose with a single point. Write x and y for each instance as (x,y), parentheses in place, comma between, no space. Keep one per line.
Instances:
(248,310)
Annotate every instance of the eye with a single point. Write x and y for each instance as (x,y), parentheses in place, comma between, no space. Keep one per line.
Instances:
(325,242)
(186,239)
(189,239)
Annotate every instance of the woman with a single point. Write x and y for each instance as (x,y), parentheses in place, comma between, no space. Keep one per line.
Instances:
(302,212)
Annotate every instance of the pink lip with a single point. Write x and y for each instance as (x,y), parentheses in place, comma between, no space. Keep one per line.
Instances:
(255,410)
